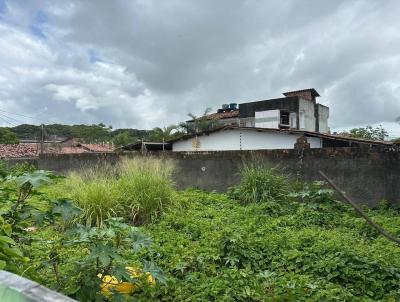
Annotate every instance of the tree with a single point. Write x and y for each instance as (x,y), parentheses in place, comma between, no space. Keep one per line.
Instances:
(8,137)
(163,134)
(123,139)
(198,123)
(368,132)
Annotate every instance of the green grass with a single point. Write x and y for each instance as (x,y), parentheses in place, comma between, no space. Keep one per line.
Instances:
(260,184)
(137,190)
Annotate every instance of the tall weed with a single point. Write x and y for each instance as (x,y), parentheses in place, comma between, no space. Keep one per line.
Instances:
(260,184)
(136,189)
(145,188)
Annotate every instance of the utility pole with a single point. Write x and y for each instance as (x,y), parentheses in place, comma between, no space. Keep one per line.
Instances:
(42,140)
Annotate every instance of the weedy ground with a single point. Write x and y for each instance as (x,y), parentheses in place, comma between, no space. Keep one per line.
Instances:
(267,239)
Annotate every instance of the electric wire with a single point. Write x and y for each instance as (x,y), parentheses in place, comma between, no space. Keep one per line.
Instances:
(26,116)
(7,122)
(11,118)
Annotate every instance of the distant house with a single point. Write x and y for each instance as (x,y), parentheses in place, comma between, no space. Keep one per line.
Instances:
(298,110)
(18,151)
(229,138)
(69,146)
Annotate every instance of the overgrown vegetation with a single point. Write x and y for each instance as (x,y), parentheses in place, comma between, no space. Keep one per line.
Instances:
(137,190)
(267,240)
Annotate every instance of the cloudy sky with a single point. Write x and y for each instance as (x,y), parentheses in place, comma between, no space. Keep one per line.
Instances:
(144,63)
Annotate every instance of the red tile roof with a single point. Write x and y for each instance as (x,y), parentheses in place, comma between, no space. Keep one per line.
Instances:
(18,150)
(33,150)
(223,115)
(97,147)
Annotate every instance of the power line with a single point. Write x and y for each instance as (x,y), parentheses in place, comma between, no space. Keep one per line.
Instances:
(11,118)
(26,116)
(8,122)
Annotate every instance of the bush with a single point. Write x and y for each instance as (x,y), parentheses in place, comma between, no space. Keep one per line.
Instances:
(260,184)
(145,187)
(136,189)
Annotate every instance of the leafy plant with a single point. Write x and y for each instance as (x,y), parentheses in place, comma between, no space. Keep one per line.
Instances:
(17,215)
(101,272)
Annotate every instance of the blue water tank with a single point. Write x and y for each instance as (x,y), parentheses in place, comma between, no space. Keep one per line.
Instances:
(233,106)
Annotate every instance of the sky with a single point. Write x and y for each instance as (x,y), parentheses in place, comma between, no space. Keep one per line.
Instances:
(145,63)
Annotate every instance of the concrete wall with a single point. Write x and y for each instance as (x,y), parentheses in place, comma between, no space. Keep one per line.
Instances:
(16,288)
(242,139)
(268,119)
(368,175)
(306,115)
(323,117)
(66,162)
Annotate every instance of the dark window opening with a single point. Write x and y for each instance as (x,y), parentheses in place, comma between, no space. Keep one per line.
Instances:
(284,119)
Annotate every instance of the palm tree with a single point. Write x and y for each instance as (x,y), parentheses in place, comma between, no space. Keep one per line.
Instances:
(198,123)
(163,134)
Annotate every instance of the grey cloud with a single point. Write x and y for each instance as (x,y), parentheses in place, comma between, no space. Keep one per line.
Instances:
(180,56)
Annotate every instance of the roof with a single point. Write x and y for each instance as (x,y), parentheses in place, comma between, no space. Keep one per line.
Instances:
(314,93)
(222,115)
(18,150)
(150,146)
(97,147)
(288,131)
(32,150)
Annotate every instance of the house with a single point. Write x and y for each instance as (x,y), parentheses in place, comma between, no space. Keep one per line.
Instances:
(27,150)
(228,138)
(297,110)
(69,146)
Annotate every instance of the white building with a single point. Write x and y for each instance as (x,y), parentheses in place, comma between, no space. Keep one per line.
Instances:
(242,138)
(297,110)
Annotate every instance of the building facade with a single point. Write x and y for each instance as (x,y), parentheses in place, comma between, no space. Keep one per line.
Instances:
(242,139)
(297,110)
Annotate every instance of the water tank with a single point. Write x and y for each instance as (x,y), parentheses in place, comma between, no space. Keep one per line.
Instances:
(233,106)
(225,106)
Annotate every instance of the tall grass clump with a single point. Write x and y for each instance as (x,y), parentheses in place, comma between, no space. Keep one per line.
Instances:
(260,184)
(136,189)
(145,188)
(95,193)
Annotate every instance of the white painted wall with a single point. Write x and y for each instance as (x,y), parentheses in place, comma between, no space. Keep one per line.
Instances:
(293,120)
(242,139)
(307,117)
(323,116)
(267,119)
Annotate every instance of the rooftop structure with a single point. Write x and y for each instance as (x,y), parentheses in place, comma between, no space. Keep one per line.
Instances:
(297,110)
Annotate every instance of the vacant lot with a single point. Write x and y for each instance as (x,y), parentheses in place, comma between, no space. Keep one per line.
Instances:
(124,233)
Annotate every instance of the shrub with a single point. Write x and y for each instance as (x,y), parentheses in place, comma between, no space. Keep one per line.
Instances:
(96,196)
(260,184)
(136,189)
(145,187)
